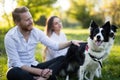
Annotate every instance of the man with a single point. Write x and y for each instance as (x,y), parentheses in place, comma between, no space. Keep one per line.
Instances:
(20,43)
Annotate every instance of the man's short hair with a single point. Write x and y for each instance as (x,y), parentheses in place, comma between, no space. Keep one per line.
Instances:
(17,11)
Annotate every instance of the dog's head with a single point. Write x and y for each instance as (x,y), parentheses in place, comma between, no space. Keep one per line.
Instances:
(76,54)
(113,30)
(99,34)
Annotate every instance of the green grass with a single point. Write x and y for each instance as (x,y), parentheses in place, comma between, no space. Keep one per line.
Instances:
(111,66)
(3,67)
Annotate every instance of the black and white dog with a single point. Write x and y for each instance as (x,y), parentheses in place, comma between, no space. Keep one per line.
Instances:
(113,30)
(98,42)
(72,61)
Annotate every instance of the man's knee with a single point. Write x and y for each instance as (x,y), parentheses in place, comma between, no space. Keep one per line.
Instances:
(11,73)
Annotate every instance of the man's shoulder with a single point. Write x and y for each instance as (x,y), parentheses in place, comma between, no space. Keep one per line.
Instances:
(36,30)
(12,31)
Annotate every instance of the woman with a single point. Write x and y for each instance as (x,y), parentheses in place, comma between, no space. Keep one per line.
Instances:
(53,30)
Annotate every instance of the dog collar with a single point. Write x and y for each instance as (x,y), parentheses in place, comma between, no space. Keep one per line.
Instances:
(96,59)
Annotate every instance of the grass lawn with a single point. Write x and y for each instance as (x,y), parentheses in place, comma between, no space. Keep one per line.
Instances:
(111,66)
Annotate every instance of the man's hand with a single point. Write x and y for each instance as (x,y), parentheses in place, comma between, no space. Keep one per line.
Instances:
(46,73)
(76,42)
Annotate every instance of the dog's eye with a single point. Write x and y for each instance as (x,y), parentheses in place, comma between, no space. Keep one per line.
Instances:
(103,31)
(96,30)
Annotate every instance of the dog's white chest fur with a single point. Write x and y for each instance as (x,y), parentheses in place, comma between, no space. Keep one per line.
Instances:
(97,51)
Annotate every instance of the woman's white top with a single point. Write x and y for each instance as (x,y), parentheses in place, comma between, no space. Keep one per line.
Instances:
(50,53)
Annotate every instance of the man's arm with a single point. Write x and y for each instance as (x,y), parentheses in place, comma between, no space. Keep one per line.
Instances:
(53,44)
(32,70)
(40,72)
(63,45)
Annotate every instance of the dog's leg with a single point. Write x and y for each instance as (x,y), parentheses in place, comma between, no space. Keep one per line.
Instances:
(67,77)
(85,75)
(92,74)
(81,73)
(98,72)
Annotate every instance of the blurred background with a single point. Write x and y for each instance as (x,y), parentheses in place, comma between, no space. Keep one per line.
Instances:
(76,16)
(72,12)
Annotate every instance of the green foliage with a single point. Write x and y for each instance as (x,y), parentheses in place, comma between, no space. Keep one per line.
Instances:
(3,31)
(83,11)
(111,8)
(3,67)
(35,3)
(41,21)
(37,7)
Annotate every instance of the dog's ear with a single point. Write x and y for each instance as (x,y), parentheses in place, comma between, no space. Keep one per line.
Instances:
(106,28)
(106,24)
(114,28)
(93,25)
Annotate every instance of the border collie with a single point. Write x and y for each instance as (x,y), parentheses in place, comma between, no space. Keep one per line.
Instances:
(97,44)
(113,30)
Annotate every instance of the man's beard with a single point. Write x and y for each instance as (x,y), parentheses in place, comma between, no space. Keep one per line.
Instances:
(27,27)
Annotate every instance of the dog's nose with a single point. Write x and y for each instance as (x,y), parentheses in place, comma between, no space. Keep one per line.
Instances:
(98,37)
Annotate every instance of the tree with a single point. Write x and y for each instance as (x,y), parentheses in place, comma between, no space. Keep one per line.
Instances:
(111,8)
(38,7)
(41,21)
(84,12)
(79,11)
(4,15)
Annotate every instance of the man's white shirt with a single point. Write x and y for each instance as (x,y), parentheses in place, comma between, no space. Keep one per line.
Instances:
(21,52)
